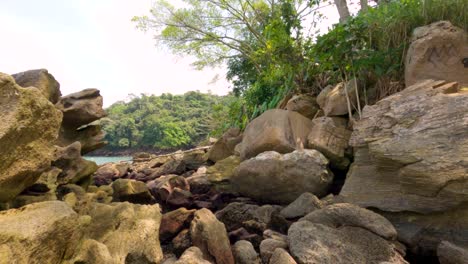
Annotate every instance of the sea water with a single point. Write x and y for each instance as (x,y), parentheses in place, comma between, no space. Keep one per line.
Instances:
(102,159)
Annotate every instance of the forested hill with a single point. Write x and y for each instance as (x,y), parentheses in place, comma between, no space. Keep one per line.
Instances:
(164,122)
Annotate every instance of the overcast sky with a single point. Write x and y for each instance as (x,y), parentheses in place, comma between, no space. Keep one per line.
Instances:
(93,44)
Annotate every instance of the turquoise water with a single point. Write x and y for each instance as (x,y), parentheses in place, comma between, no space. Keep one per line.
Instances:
(102,160)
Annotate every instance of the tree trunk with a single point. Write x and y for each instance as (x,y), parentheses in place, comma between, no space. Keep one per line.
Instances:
(342,7)
(364,5)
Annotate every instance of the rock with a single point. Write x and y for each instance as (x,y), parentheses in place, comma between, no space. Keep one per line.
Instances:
(449,253)
(244,253)
(172,166)
(437,52)
(25,233)
(109,172)
(303,205)
(221,173)
(181,242)
(131,191)
(42,80)
(268,246)
(195,158)
(179,198)
(173,222)
(162,187)
(281,256)
(192,255)
(243,234)
(199,183)
(29,127)
(275,130)
(277,178)
(317,243)
(129,231)
(79,110)
(235,214)
(330,136)
(405,150)
(210,236)
(92,251)
(304,104)
(343,214)
(74,168)
(333,100)
(224,147)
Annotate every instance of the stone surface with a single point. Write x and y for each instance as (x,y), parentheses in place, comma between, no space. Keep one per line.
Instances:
(37,233)
(344,214)
(132,191)
(244,253)
(281,256)
(316,243)
(74,168)
(330,137)
(163,187)
(275,130)
(181,242)
(273,177)
(235,214)
(173,222)
(29,127)
(192,255)
(109,172)
(224,147)
(436,52)
(449,253)
(210,236)
(333,101)
(304,104)
(221,173)
(42,80)
(268,246)
(303,205)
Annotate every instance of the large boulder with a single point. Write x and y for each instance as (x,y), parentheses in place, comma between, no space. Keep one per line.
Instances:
(277,130)
(437,51)
(42,80)
(210,236)
(411,148)
(132,191)
(304,104)
(338,100)
(79,110)
(224,147)
(28,130)
(277,178)
(37,233)
(330,136)
(220,174)
(74,168)
(449,253)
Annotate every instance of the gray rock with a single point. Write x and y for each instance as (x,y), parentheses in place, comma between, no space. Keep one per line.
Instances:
(303,205)
(449,253)
(268,246)
(244,253)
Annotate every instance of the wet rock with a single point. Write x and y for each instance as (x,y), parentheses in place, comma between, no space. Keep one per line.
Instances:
(303,205)
(28,130)
(304,104)
(210,236)
(275,130)
(42,80)
(436,52)
(244,253)
(224,147)
(333,101)
(277,178)
(131,191)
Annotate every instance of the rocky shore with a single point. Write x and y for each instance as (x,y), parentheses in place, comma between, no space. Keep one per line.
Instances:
(306,183)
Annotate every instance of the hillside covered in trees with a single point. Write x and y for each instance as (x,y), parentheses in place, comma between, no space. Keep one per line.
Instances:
(164,122)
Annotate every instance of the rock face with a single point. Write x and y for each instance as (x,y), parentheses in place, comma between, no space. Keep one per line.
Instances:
(224,147)
(37,233)
(278,130)
(273,177)
(132,191)
(437,52)
(303,104)
(333,101)
(79,110)
(211,237)
(28,130)
(74,168)
(343,233)
(222,171)
(42,80)
(330,137)
(449,253)
(303,205)
(412,149)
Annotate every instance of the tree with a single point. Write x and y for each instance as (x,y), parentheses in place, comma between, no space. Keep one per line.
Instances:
(364,5)
(343,11)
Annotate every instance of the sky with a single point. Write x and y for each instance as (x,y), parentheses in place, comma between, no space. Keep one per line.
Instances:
(93,44)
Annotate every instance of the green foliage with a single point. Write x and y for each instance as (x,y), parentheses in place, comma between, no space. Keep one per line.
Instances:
(167,121)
